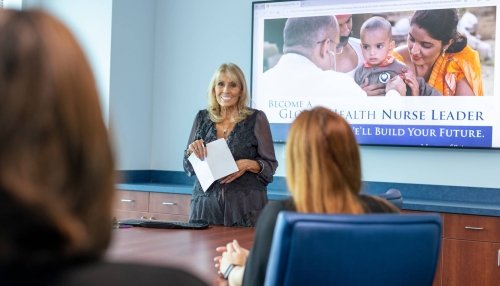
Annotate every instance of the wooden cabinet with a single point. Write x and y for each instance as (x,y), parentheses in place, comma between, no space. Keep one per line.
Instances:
(169,206)
(150,205)
(470,250)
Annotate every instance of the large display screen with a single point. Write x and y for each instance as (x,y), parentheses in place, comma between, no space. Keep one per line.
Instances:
(286,80)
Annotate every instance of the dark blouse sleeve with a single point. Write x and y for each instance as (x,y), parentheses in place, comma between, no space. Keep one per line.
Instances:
(266,156)
(255,268)
(196,125)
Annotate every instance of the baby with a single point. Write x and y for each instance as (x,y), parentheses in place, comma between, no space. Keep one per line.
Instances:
(380,66)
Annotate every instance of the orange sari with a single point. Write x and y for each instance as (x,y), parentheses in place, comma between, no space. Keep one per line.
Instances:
(451,68)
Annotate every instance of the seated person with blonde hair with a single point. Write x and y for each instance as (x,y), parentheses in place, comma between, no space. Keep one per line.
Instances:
(319,142)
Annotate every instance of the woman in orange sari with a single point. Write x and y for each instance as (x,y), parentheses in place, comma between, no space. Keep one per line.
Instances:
(439,54)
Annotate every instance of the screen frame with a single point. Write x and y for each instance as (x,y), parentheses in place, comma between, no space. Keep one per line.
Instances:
(282,130)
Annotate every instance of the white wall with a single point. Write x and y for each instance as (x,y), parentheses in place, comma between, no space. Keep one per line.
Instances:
(90,21)
(153,111)
(131,82)
(124,76)
(193,38)
(13,4)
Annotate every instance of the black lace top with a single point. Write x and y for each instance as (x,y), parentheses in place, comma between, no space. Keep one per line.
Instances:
(239,202)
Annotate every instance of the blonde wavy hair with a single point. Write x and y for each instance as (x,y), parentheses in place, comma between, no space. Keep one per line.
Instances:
(323,169)
(235,74)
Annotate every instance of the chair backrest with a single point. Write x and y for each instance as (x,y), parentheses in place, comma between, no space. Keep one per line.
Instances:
(370,249)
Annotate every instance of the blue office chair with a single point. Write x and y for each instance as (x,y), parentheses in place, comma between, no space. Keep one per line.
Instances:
(372,249)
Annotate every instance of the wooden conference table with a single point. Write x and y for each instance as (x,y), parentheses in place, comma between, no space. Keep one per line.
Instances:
(191,250)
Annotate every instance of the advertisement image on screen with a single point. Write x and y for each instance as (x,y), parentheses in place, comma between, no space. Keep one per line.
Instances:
(402,73)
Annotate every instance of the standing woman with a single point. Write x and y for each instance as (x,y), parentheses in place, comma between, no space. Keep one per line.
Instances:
(439,54)
(235,200)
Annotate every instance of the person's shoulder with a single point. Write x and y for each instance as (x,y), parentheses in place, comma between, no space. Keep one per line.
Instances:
(279,205)
(202,112)
(372,204)
(342,80)
(467,54)
(468,50)
(398,60)
(202,115)
(346,86)
(281,66)
(401,54)
(358,73)
(465,59)
(252,113)
(398,66)
(338,75)
(269,214)
(359,69)
(253,110)
(257,112)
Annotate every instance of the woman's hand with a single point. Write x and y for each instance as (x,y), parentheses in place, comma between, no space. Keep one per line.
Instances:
(411,80)
(232,253)
(235,254)
(243,166)
(198,148)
